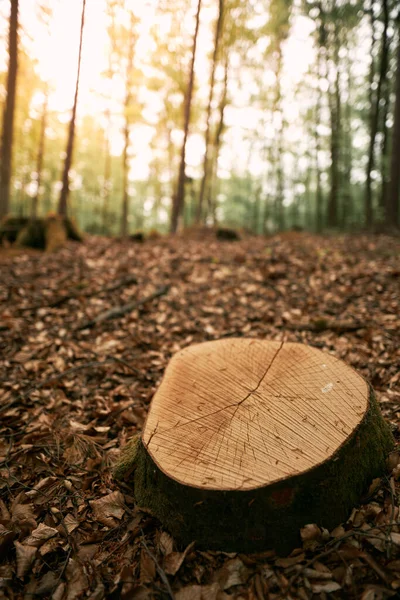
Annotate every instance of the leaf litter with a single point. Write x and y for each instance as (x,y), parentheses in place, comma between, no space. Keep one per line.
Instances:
(76,385)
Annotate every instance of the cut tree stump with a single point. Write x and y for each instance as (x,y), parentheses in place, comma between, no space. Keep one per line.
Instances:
(246,441)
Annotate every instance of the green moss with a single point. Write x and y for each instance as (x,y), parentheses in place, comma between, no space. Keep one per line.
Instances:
(127,462)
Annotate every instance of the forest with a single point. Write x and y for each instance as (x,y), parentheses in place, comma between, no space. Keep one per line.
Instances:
(140,118)
(199,299)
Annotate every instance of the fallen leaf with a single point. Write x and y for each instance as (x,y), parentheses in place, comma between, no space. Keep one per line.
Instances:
(174,560)
(109,508)
(25,557)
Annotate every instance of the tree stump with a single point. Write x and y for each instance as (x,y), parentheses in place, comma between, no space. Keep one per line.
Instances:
(246,441)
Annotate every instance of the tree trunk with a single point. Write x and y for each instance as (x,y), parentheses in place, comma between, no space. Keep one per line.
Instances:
(335,110)
(375,111)
(268,436)
(206,166)
(347,202)
(8,114)
(392,205)
(179,198)
(212,193)
(40,155)
(63,201)
(125,182)
(127,128)
(279,208)
(107,173)
(318,190)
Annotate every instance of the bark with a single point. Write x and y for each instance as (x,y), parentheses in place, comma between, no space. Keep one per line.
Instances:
(63,200)
(8,114)
(392,204)
(179,198)
(206,166)
(375,110)
(40,155)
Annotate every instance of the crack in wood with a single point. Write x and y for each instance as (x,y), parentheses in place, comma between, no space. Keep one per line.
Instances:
(260,382)
(236,404)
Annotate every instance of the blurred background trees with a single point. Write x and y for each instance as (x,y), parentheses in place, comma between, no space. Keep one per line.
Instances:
(258,115)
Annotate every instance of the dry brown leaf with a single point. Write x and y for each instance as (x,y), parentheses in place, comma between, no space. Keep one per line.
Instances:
(147,567)
(310,532)
(290,560)
(6,538)
(23,513)
(109,508)
(70,523)
(166,543)
(25,557)
(199,592)
(174,560)
(232,573)
(40,535)
(210,592)
(4,514)
(77,580)
(59,592)
(328,588)
(50,546)
(191,592)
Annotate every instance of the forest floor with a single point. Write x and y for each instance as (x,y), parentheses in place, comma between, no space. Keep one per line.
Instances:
(75,385)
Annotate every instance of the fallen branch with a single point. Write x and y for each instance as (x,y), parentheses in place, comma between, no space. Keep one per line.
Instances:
(320,325)
(119,311)
(85,294)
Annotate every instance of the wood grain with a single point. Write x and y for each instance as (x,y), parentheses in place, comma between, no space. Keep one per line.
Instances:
(238,414)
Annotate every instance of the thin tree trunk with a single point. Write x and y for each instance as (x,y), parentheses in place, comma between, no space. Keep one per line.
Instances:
(125,180)
(179,198)
(62,203)
(280,217)
(212,193)
(40,155)
(318,191)
(107,173)
(346,207)
(375,112)
(8,115)
(206,166)
(335,110)
(125,154)
(392,205)
(385,158)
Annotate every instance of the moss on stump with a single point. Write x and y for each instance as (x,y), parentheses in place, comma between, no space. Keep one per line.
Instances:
(247,441)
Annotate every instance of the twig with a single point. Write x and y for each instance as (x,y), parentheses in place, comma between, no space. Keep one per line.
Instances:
(119,311)
(321,325)
(110,288)
(160,571)
(83,294)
